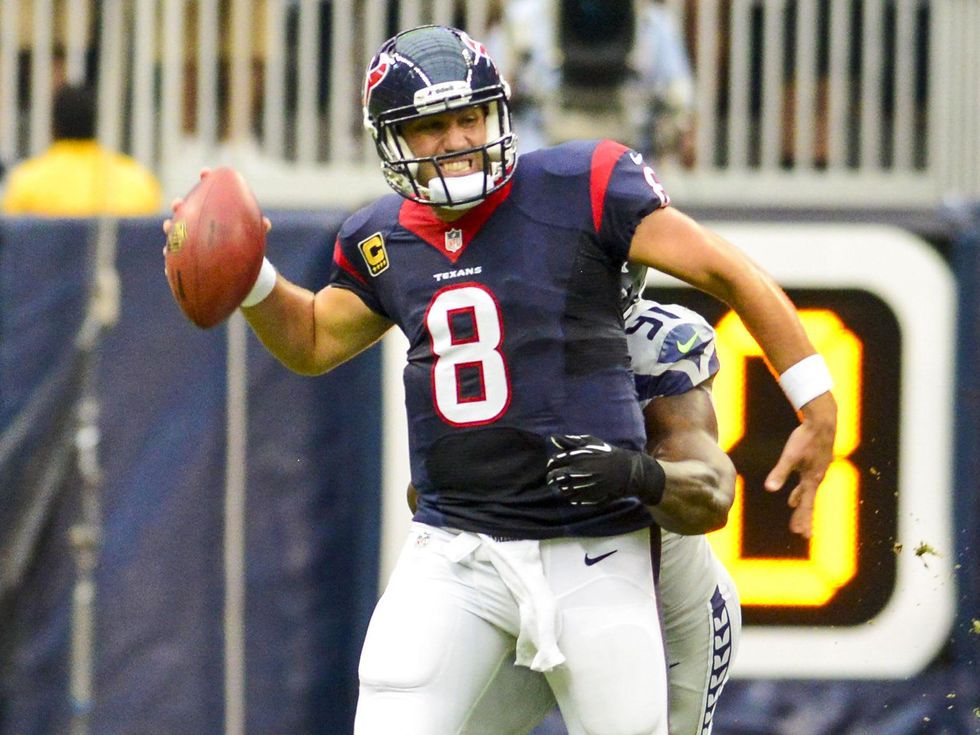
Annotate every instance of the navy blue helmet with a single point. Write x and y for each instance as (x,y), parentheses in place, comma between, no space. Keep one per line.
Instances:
(428,70)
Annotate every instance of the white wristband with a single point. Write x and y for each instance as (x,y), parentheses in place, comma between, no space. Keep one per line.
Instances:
(263,284)
(806,380)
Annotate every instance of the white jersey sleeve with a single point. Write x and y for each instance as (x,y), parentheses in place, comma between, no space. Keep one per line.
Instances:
(671,347)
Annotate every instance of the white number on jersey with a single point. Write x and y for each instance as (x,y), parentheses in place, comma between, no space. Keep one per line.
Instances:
(469,376)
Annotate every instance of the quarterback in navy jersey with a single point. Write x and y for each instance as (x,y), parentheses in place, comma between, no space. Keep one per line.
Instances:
(539,359)
(505,280)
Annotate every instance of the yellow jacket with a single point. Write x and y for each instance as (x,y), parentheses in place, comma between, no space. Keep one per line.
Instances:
(79,178)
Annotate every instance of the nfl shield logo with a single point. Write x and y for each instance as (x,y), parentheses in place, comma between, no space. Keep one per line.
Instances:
(454,240)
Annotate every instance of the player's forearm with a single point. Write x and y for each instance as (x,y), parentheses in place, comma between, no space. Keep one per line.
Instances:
(314,333)
(700,484)
(764,308)
(284,323)
(773,321)
(699,488)
(672,242)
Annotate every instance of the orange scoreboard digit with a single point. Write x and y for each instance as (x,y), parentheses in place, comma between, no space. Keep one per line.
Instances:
(862,598)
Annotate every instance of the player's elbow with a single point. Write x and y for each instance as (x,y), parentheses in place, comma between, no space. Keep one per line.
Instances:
(301,362)
(305,368)
(693,521)
(709,512)
(714,514)
(698,496)
(719,495)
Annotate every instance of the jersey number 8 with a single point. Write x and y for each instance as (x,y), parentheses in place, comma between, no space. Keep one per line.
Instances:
(470,385)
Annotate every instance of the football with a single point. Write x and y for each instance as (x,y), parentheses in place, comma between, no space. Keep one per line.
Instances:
(215,247)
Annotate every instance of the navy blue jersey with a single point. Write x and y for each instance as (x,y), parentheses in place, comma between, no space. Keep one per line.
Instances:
(515,330)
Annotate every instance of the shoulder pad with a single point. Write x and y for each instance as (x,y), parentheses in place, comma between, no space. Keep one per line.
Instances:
(672,349)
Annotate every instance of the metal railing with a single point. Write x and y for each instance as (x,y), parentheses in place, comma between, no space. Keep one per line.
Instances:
(826,103)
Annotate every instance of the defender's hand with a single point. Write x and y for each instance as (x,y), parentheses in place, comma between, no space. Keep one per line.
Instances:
(589,470)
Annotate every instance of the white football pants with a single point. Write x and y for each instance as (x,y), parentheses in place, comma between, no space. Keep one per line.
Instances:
(701,633)
(459,607)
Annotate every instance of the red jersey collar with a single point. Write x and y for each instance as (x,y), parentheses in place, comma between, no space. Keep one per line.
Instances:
(450,238)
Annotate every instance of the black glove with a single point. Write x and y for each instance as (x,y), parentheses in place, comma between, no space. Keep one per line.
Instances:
(588,470)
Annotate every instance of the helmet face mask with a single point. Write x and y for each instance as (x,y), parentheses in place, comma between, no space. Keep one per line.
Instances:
(427,71)
(632,281)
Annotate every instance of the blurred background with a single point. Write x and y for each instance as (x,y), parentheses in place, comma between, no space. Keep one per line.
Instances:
(192,539)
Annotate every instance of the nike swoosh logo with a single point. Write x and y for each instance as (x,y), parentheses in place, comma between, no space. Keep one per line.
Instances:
(685,347)
(590,560)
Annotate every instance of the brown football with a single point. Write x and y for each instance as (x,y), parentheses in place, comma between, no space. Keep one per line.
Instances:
(215,247)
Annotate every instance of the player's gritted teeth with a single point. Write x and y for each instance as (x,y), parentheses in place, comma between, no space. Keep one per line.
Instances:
(458,166)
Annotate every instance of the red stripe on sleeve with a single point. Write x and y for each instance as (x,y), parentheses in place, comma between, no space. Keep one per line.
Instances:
(341,260)
(604,159)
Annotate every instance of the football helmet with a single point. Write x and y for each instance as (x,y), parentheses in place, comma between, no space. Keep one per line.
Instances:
(429,70)
(631,285)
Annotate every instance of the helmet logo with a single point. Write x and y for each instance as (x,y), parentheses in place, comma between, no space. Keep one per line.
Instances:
(376,74)
(478,49)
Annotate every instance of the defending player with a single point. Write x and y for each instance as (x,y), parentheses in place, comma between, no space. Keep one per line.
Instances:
(505,280)
(702,615)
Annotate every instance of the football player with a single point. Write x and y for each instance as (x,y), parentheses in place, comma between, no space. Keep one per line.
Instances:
(505,280)
(672,350)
